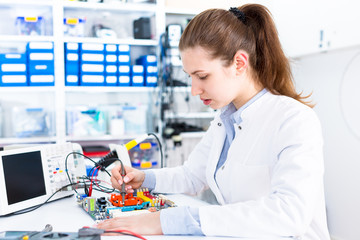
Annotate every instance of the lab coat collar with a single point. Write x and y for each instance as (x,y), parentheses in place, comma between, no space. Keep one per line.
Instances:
(229,112)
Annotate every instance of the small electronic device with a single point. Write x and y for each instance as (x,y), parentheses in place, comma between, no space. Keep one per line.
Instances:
(29,176)
(142,28)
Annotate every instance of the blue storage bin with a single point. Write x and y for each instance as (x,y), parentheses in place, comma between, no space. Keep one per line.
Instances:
(46,68)
(111,69)
(137,81)
(13,68)
(41,80)
(124,80)
(111,59)
(111,49)
(124,59)
(151,70)
(13,58)
(137,75)
(92,48)
(40,57)
(71,79)
(88,68)
(147,60)
(111,80)
(13,80)
(92,57)
(124,49)
(72,68)
(72,57)
(151,81)
(71,47)
(92,80)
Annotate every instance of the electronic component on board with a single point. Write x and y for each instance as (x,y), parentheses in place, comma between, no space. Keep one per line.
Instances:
(142,201)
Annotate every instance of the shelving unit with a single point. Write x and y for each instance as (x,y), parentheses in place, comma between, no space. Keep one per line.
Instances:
(60,94)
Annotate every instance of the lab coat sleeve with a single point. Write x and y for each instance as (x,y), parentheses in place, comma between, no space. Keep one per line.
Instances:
(296,188)
(190,177)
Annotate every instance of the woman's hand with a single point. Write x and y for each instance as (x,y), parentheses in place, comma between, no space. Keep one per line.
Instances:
(144,224)
(133,178)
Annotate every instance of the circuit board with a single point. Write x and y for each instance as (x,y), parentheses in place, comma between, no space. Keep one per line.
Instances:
(141,201)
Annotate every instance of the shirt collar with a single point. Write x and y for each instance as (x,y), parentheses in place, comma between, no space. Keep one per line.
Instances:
(230,113)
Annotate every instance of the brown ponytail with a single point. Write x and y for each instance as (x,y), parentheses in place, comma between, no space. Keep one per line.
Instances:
(222,33)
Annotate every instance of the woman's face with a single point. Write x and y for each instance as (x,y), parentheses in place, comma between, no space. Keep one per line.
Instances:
(216,84)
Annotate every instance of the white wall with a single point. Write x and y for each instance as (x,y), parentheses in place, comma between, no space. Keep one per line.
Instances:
(323,74)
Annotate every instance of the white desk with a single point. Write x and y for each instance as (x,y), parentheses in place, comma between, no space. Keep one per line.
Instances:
(66,216)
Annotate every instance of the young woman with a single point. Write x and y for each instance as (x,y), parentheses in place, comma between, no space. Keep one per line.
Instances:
(261,156)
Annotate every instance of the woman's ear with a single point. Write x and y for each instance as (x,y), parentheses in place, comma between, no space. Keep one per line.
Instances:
(241,61)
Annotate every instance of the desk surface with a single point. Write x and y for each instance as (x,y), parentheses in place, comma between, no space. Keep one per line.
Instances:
(66,216)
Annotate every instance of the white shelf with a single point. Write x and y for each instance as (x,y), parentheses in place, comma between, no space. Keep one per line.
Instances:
(5,141)
(130,41)
(5,90)
(8,3)
(100,138)
(109,89)
(181,11)
(19,38)
(122,7)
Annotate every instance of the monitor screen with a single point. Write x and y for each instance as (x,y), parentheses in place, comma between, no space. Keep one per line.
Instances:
(24,176)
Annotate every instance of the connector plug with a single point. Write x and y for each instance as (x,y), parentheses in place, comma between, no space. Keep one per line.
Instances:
(85,232)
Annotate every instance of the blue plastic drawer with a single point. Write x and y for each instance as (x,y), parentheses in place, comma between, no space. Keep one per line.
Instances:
(72,47)
(124,59)
(41,80)
(137,80)
(13,58)
(151,81)
(87,68)
(124,49)
(92,48)
(111,80)
(92,80)
(13,68)
(46,68)
(13,80)
(147,60)
(72,68)
(71,80)
(92,57)
(124,80)
(111,69)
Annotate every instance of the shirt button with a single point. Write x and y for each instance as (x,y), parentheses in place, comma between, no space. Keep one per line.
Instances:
(219,124)
(239,127)
(222,168)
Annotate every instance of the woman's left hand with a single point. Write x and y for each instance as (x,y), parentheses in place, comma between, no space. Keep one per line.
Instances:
(143,224)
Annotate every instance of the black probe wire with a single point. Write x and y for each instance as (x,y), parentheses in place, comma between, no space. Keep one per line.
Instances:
(160,149)
(66,169)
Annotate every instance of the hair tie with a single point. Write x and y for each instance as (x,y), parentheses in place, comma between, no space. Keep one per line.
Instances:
(239,14)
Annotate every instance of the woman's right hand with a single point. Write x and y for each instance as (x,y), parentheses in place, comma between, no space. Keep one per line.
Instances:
(133,178)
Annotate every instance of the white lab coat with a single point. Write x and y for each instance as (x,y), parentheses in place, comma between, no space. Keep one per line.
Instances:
(271,184)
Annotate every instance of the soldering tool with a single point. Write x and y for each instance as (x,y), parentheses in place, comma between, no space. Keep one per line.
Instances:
(123,191)
(120,154)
